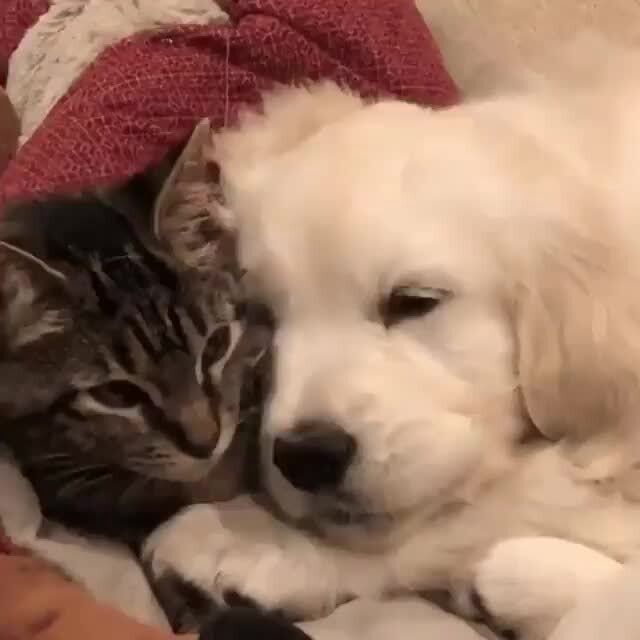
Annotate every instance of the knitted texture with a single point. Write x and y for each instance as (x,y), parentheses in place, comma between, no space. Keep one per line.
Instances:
(143,96)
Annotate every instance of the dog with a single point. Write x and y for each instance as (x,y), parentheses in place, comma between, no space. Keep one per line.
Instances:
(457,352)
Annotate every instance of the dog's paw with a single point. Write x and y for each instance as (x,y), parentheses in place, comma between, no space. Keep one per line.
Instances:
(238,554)
(524,586)
(248,623)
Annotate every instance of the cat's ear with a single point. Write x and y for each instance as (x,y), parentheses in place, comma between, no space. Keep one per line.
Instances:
(32,298)
(190,221)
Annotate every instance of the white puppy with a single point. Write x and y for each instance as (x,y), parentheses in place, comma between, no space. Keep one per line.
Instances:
(449,287)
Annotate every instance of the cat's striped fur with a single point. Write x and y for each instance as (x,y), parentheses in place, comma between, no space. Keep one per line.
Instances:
(127,354)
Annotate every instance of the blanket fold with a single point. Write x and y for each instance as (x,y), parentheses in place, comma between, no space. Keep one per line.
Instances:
(142,96)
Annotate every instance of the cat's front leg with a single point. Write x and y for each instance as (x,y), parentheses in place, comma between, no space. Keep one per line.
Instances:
(237,553)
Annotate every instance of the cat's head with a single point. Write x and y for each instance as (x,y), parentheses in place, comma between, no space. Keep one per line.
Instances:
(125,345)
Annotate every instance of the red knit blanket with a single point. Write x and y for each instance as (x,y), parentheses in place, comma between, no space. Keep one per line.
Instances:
(143,96)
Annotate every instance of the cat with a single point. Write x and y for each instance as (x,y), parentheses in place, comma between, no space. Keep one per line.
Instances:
(132,367)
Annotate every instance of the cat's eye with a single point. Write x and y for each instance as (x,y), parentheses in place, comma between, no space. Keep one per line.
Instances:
(119,394)
(408,302)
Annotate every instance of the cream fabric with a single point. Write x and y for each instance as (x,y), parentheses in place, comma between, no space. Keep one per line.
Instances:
(487,43)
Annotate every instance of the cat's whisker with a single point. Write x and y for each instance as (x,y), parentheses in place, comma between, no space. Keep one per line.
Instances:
(112,259)
(71,472)
(82,483)
(52,457)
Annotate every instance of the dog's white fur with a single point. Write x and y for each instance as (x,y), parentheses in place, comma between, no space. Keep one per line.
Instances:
(525,209)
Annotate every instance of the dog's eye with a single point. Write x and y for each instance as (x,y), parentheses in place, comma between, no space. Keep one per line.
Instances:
(119,394)
(405,303)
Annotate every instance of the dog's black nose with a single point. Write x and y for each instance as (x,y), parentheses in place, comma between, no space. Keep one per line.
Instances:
(315,455)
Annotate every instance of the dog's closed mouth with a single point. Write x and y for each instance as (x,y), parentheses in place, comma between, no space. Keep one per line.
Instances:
(344,516)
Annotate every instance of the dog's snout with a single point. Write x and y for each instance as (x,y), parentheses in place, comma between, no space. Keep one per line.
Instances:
(315,455)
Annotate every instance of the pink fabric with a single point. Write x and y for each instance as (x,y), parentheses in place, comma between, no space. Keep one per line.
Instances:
(144,95)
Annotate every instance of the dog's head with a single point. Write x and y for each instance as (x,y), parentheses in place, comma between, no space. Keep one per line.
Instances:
(435,278)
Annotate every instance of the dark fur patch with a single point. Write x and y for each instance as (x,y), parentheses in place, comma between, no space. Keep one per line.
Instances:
(186,605)
(484,616)
(245,623)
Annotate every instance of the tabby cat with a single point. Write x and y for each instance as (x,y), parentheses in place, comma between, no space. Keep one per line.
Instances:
(128,356)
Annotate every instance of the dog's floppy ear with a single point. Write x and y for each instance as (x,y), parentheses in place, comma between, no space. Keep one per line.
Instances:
(577,321)
(190,221)
(288,116)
